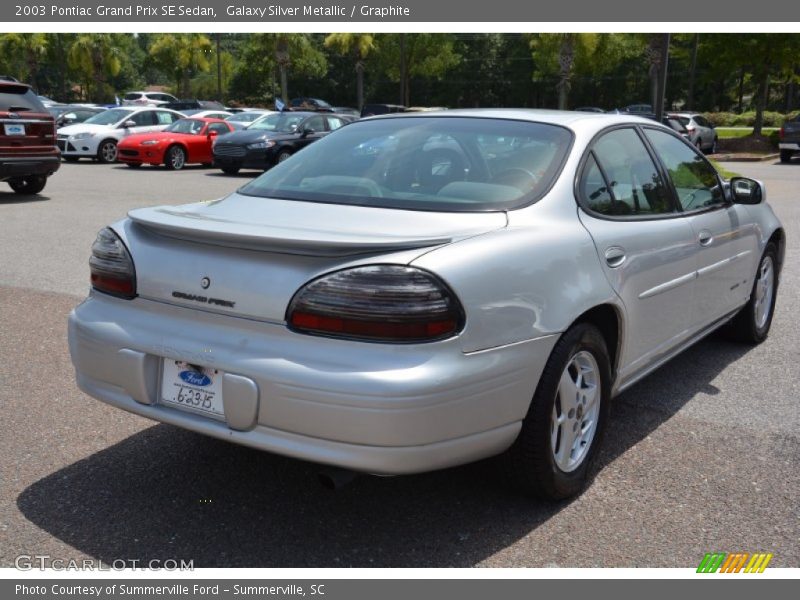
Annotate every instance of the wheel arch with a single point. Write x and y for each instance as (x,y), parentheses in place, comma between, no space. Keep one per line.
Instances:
(778,238)
(608,320)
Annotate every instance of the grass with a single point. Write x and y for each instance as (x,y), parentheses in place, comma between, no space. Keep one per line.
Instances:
(723,171)
(727,133)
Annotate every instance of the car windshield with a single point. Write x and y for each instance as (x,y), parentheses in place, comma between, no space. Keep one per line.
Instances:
(424,163)
(192,126)
(109,117)
(279,122)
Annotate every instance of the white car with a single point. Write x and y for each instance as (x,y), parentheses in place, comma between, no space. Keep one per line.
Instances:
(97,137)
(147,99)
(202,113)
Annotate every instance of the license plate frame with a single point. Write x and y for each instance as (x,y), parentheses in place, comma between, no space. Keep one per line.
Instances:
(192,388)
(14,129)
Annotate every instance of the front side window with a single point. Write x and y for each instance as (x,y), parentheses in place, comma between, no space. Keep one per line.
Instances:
(316,124)
(635,186)
(695,180)
(143,119)
(278,122)
(424,163)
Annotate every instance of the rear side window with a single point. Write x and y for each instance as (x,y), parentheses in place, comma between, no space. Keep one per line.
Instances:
(635,185)
(166,118)
(19,98)
(695,180)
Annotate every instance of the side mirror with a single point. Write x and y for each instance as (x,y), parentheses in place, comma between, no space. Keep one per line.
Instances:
(307,131)
(129,123)
(746,191)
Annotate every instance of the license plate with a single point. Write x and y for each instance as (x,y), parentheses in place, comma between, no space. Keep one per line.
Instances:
(14,129)
(191,387)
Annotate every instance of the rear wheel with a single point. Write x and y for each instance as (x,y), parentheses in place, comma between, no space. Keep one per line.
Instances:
(107,151)
(28,184)
(563,428)
(230,170)
(752,323)
(786,156)
(175,158)
(713,149)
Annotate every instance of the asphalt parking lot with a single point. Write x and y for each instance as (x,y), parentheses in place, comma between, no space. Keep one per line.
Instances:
(703,455)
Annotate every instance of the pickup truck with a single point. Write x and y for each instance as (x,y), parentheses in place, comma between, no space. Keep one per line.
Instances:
(789,139)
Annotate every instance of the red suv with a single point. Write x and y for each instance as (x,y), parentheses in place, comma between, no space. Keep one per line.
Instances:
(28,152)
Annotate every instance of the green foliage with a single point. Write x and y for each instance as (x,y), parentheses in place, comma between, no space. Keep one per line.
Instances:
(747,119)
(181,56)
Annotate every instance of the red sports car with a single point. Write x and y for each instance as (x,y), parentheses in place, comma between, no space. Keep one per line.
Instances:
(185,141)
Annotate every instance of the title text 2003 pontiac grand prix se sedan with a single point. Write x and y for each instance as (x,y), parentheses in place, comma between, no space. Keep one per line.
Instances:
(416,292)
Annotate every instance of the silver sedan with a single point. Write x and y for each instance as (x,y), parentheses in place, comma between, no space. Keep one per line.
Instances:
(414,292)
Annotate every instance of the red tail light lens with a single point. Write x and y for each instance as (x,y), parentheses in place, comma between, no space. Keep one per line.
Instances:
(111,266)
(388,303)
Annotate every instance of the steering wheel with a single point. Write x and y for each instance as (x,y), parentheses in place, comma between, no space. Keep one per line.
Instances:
(517,177)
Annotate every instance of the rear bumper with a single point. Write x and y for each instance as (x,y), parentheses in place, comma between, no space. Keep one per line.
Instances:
(28,165)
(369,407)
(795,146)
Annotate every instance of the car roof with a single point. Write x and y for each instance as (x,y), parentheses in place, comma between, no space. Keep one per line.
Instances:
(535,115)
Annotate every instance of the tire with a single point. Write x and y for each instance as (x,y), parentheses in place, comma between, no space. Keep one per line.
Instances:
(751,325)
(28,184)
(283,154)
(539,462)
(107,151)
(713,149)
(230,170)
(70,158)
(699,144)
(175,158)
(786,156)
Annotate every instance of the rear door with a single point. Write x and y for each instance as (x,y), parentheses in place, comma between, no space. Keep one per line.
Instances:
(725,236)
(645,247)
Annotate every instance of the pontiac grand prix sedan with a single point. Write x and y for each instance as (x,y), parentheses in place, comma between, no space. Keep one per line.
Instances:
(414,292)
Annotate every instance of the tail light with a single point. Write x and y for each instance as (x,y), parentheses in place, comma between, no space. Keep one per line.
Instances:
(781,133)
(111,266)
(388,303)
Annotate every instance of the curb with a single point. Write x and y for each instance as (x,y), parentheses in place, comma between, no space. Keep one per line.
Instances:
(740,158)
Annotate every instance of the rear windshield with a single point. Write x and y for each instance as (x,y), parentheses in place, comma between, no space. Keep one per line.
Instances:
(20,98)
(109,117)
(424,163)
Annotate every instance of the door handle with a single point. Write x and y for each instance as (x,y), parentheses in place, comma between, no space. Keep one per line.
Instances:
(615,256)
(705,237)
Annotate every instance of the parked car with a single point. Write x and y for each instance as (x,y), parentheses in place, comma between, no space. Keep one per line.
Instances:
(639,108)
(346,110)
(272,139)
(207,113)
(194,104)
(306,103)
(28,154)
(371,110)
(789,139)
(701,132)
(184,142)
(594,109)
(69,114)
(241,120)
(97,137)
(147,99)
(414,292)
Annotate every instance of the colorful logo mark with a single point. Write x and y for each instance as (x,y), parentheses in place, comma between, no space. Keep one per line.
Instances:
(736,562)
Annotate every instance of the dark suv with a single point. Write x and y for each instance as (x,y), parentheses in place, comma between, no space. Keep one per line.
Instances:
(28,153)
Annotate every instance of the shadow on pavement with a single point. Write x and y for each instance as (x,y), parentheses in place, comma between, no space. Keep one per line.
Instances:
(167,493)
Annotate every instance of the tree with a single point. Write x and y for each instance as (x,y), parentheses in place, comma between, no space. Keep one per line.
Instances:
(563,53)
(23,54)
(95,58)
(358,44)
(181,56)
(428,55)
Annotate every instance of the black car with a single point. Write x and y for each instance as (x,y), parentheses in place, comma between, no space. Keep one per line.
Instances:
(69,114)
(272,139)
(306,103)
(193,104)
(370,110)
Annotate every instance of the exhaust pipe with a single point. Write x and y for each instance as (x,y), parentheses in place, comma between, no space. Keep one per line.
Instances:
(335,479)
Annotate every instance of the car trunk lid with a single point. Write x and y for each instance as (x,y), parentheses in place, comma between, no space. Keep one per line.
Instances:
(247,256)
